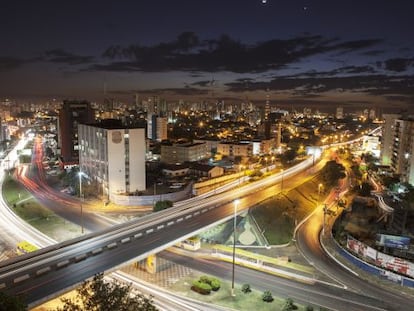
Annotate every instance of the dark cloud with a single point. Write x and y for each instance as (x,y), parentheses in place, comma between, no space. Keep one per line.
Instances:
(61,56)
(398,64)
(357,44)
(189,53)
(188,91)
(114,66)
(346,70)
(9,63)
(305,86)
(203,83)
(373,52)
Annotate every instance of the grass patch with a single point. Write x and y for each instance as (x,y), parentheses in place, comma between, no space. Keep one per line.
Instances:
(279,215)
(29,209)
(13,191)
(242,301)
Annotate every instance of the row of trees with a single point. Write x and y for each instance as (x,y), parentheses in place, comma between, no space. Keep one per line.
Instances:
(93,295)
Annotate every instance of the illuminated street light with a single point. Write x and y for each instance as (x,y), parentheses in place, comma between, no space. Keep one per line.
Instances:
(81,197)
(320,186)
(281,184)
(236,203)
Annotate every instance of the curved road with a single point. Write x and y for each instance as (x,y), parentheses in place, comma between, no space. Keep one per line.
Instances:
(309,244)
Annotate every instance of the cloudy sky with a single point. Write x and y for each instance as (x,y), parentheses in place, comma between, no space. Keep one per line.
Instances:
(351,52)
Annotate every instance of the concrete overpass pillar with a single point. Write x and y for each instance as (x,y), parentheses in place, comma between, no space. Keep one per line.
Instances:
(151,264)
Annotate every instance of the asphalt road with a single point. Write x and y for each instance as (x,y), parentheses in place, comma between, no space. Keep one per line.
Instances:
(318,294)
(307,240)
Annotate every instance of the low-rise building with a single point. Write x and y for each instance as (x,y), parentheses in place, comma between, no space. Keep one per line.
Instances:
(202,170)
(174,153)
(241,149)
(175,170)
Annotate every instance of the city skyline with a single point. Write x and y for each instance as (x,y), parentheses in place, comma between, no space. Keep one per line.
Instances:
(299,52)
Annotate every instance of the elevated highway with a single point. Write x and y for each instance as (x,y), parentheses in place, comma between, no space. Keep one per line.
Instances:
(43,274)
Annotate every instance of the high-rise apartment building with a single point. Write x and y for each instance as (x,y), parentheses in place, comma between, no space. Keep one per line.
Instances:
(402,160)
(157,128)
(114,156)
(72,114)
(339,113)
(388,138)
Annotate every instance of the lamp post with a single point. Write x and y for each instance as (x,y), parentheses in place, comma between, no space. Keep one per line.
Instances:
(236,202)
(241,168)
(320,186)
(81,198)
(324,219)
(281,184)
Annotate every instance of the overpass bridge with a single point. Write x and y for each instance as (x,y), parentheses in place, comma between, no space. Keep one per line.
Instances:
(41,275)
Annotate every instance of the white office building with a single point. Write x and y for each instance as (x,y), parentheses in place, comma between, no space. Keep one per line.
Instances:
(113,156)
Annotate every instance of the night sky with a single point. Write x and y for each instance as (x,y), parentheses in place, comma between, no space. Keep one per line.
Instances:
(351,53)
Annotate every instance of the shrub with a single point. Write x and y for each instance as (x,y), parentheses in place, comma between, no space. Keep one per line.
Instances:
(267,296)
(246,288)
(201,287)
(309,308)
(213,282)
(289,305)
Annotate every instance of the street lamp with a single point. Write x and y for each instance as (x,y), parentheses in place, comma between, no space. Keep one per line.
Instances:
(241,168)
(236,203)
(81,197)
(281,184)
(320,186)
(324,219)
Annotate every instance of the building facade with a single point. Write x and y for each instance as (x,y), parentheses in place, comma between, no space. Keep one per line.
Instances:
(71,115)
(242,149)
(402,159)
(157,128)
(387,140)
(183,152)
(114,156)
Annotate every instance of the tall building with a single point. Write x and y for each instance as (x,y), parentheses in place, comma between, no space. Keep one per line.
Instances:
(114,156)
(157,128)
(72,114)
(339,112)
(4,131)
(388,138)
(402,160)
(267,106)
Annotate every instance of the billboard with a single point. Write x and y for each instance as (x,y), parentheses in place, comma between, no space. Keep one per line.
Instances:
(393,241)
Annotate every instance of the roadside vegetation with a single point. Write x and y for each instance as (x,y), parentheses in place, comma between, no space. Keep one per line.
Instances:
(246,298)
(278,216)
(28,208)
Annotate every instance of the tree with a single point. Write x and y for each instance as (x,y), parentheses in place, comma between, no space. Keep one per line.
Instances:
(288,156)
(160,205)
(96,295)
(365,189)
(14,303)
(332,172)
(390,182)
